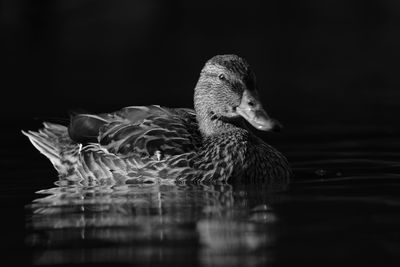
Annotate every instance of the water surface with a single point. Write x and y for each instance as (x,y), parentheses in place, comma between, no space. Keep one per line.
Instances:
(343,208)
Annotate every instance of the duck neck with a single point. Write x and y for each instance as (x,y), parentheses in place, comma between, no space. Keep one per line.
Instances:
(211,125)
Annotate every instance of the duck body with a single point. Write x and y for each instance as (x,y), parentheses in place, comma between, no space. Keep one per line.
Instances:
(148,143)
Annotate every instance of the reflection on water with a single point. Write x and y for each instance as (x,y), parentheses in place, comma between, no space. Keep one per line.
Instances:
(219,224)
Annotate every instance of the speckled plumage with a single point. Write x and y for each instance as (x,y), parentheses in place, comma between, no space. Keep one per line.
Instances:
(139,144)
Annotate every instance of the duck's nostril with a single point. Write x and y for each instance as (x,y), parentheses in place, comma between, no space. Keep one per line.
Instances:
(251,104)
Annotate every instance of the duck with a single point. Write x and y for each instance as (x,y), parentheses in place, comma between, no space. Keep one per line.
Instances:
(212,143)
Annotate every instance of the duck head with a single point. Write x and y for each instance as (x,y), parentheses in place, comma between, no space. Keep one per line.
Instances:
(226,96)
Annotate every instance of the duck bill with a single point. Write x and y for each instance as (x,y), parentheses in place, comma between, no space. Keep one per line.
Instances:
(251,110)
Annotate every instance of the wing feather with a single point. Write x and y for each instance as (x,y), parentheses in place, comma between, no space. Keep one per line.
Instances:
(139,130)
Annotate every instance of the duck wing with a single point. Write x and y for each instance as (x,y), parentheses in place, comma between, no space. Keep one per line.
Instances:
(140,130)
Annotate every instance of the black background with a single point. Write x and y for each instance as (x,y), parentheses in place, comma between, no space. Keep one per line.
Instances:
(322,66)
(318,63)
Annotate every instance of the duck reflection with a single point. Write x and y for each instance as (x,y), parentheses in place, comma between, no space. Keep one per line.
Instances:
(158,223)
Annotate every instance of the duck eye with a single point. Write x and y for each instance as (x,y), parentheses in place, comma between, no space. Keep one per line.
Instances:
(222,77)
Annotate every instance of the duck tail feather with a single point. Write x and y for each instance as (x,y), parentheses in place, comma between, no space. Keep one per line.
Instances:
(53,142)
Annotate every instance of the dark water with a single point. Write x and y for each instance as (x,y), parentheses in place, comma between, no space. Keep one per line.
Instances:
(343,208)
